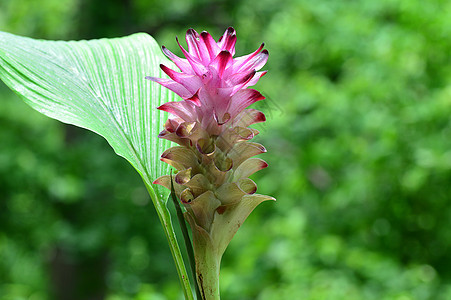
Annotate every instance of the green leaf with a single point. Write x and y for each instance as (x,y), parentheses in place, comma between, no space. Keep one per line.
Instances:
(100,85)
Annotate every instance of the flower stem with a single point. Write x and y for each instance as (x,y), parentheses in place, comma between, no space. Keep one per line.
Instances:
(208,261)
(188,245)
(207,269)
(165,220)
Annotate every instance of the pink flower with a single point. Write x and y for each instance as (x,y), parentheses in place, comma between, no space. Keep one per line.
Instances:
(215,157)
(211,125)
(212,83)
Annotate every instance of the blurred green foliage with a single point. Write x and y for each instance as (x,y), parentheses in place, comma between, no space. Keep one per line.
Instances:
(359,105)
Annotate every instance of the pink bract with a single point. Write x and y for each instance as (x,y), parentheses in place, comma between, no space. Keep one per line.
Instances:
(213,84)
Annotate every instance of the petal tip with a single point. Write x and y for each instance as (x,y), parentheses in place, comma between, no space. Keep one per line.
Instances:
(191,31)
(230,30)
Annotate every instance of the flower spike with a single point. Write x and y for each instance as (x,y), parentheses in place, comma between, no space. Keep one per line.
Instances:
(215,156)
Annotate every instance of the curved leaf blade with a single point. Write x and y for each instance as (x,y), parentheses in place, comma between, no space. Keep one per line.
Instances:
(100,85)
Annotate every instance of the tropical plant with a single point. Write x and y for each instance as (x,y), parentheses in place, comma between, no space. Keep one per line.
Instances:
(100,85)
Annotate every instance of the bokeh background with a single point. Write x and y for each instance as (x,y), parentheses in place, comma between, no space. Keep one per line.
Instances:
(358,139)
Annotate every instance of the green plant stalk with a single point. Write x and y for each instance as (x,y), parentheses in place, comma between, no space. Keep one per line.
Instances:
(165,220)
(188,245)
(207,268)
(208,256)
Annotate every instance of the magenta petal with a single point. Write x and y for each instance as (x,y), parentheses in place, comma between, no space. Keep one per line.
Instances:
(191,39)
(195,99)
(244,82)
(191,82)
(228,40)
(172,74)
(197,48)
(254,80)
(210,44)
(230,45)
(222,61)
(181,63)
(173,86)
(255,63)
(239,61)
(241,78)
(243,99)
(195,62)
(183,109)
